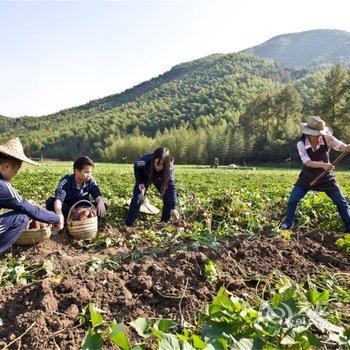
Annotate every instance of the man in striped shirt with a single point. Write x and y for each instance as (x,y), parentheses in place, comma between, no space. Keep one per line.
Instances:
(14,222)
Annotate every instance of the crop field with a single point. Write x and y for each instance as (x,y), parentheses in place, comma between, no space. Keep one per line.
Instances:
(226,279)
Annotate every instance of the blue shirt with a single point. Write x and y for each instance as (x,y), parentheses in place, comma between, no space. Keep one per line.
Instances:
(10,199)
(69,193)
(142,169)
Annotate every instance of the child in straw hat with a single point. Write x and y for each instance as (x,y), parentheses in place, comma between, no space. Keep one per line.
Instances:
(313,147)
(13,223)
(154,168)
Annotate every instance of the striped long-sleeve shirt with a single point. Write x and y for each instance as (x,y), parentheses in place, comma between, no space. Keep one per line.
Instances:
(10,199)
(68,192)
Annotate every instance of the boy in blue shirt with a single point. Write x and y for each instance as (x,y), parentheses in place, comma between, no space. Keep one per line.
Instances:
(75,187)
(13,223)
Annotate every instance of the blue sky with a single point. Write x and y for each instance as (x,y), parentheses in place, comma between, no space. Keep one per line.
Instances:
(56,55)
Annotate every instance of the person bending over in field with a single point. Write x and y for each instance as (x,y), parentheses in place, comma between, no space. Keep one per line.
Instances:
(75,187)
(13,223)
(156,168)
(313,147)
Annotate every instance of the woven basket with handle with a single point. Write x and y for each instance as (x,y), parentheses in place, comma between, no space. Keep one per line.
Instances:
(82,229)
(34,236)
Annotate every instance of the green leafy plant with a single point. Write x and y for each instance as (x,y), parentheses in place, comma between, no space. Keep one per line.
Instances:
(211,271)
(159,329)
(344,243)
(293,318)
(100,240)
(13,270)
(101,331)
(95,264)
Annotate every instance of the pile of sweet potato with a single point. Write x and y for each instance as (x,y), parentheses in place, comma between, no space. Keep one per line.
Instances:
(82,213)
(35,225)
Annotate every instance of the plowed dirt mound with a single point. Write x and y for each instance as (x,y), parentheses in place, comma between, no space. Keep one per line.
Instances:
(156,283)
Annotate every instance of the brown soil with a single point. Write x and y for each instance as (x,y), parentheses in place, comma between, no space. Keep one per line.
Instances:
(156,283)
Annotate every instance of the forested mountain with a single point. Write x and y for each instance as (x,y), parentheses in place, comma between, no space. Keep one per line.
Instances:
(203,91)
(313,49)
(238,107)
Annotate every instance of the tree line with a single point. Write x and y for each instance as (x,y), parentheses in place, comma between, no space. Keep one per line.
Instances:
(266,131)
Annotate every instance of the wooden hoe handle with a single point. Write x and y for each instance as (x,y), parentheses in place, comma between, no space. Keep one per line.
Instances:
(324,172)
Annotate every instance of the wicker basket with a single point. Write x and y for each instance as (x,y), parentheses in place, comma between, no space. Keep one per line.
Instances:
(82,229)
(34,236)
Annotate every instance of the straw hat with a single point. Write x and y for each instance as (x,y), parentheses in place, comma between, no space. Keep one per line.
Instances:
(146,207)
(14,149)
(315,126)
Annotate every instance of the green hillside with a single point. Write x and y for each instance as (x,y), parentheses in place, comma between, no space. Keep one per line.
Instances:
(212,88)
(236,106)
(312,49)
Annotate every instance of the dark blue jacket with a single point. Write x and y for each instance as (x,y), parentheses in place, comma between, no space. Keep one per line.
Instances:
(68,192)
(142,169)
(10,199)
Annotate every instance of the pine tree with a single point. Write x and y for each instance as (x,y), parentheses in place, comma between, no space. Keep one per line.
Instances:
(332,97)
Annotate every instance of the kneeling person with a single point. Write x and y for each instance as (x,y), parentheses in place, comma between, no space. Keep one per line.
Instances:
(76,187)
(13,223)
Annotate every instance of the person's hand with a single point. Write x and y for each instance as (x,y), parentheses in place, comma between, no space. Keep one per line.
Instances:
(101,208)
(59,225)
(29,222)
(344,148)
(142,189)
(328,166)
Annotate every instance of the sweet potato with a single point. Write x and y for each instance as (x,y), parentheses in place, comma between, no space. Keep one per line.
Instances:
(82,213)
(35,225)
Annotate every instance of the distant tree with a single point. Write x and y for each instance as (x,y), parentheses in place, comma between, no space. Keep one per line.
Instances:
(332,97)
(287,107)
